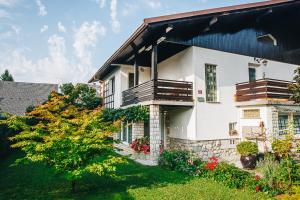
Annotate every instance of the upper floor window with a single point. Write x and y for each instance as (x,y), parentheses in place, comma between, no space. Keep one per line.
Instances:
(130,80)
(211,83)
(109,91)
(252,74)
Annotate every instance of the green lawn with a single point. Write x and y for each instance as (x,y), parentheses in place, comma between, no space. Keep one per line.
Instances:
(137,182)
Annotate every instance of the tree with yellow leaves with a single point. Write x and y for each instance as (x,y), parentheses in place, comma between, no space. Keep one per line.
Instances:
(70,139)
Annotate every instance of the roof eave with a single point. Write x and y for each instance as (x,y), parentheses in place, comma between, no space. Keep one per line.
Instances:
(166,18)
(136,33)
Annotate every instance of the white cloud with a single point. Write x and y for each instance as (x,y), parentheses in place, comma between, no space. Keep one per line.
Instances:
(87,36)
(61,27)
(11,30)
(154,3)
(41,7)
(129,9)
(53,68)
(4,14)
(102,3)
(8,3)
(44,28)
(16,29)
(113,17)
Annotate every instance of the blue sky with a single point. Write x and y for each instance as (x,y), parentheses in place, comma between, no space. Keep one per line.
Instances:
(58,41)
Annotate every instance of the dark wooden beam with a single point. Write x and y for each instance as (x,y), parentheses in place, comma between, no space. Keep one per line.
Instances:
(154,62)
(136,71)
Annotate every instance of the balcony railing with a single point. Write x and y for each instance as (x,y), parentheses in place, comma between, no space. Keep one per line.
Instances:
(160,89)
(262,89)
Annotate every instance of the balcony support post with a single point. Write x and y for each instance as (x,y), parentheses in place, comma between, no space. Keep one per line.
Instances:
(136,71)
(155,133)
(154,63)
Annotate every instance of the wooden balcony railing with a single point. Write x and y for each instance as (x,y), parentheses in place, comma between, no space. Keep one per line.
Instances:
(159,90)
(262,89)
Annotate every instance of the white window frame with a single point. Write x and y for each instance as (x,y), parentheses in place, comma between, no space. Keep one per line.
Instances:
(127,132)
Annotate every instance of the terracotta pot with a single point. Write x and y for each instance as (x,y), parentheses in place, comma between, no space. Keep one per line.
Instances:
(248,162)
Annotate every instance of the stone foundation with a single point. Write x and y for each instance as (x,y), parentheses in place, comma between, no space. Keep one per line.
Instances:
(223,149)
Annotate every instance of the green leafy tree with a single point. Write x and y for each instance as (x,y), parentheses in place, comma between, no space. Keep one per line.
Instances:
(81,95)
(295,87)
(72,140)
(6,76)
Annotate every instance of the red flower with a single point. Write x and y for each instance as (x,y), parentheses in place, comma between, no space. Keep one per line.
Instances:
(257,188)
(212,164)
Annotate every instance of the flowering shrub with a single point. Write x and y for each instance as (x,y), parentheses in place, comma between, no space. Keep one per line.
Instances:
(228,174)
(141,145)
(212,164)
(177,160)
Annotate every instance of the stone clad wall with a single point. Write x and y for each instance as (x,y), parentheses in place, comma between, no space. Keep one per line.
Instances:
(222,149)
(137,130)
(274,120)
(155,135)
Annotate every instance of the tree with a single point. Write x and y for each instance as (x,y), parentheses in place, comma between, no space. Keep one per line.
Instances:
(70,139)
(295,87)
(6,76)
(81,95)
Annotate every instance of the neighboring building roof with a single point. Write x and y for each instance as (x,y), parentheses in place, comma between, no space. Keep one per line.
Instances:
(15,97)
(148,30)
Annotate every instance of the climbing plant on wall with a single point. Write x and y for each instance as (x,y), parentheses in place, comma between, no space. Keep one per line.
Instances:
(130,114)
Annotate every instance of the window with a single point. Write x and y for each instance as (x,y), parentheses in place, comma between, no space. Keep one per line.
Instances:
(124,132)
(211,83)
(129,133)
(232,128)
(130,80)
(146,129)
(282,124)
(109,91)
(251,114)
(252,74)
(297,124)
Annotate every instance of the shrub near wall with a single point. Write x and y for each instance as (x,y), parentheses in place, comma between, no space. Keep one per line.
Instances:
(229,175)
(5,133)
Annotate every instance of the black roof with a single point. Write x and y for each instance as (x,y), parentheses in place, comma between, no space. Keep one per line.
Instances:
(185,26)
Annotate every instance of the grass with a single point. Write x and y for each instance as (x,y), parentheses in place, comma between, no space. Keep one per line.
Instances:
(36,181)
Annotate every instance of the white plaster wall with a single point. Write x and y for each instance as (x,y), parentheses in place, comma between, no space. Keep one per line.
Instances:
(212,119)
(180,67)
(205,121)
(278,70)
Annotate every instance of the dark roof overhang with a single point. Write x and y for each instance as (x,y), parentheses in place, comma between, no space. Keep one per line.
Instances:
(154,28)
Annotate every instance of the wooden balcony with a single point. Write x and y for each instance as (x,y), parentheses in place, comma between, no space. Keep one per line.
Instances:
(262,89)
(166,90)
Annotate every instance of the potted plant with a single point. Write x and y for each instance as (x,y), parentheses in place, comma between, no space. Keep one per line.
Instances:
(248,151)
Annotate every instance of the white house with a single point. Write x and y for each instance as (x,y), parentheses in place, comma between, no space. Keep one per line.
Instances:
(211,78)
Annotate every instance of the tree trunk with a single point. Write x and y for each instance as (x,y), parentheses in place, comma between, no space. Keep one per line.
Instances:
(73,183)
